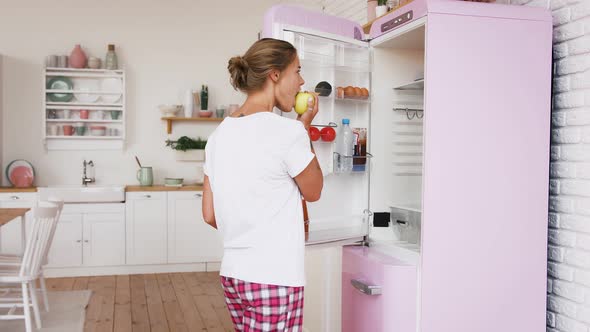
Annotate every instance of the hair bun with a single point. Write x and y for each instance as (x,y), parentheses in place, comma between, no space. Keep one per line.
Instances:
(238,70)
(242,62)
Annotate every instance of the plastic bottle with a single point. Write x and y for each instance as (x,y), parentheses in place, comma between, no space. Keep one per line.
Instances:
(110,61)
(344,148)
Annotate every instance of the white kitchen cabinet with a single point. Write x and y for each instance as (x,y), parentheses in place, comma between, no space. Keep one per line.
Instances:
(66,248)
(146,229)
(104,239)
(10,234)
(190,239)
(89,235)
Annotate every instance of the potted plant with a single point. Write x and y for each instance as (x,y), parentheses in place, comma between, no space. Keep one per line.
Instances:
(188,149)
(381,8)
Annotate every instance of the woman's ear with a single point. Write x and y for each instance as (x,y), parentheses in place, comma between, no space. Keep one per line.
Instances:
(274,75)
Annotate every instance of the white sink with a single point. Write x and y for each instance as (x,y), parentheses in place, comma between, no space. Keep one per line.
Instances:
(82,194)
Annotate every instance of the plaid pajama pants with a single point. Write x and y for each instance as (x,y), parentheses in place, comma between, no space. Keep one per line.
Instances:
(263,308)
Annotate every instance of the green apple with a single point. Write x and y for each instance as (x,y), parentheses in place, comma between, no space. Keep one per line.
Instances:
(303,101)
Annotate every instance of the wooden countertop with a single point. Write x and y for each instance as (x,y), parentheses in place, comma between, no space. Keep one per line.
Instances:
(192,187)
(17,190)
(8,214)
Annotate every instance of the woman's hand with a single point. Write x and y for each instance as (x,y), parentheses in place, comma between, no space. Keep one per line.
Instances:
(311,112)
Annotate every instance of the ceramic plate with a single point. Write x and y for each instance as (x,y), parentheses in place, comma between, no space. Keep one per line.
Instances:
(20,173)
(86,84)
(59,83)
(111,85)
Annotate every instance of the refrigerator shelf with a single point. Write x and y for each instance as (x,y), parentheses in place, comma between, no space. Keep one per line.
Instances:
(361,101)
(330,124)
(415,85)
(353,100)
(356,168)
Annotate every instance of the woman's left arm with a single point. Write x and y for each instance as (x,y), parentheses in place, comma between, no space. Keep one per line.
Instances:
(208,210)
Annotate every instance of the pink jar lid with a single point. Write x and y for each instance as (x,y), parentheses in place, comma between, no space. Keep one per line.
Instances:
(98,127)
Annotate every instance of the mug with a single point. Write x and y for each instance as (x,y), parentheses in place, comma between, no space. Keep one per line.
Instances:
(80,130)
(83,114)
(66,114)
(51,61)
(220,112)
(115,115)
(100,115)
(68,130)
(52,130)
(145,176)
(62,61)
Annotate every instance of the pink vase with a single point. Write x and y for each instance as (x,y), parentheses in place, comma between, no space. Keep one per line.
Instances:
(78,58)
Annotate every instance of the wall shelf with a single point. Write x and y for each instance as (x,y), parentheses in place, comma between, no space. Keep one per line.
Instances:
(170,120)
(103,86)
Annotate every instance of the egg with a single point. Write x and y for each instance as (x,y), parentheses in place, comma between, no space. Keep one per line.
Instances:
(357,92)
(365,93)
(340,92)
(349,92)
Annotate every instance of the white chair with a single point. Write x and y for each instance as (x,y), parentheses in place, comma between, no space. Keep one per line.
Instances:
(38,241)
(12,260)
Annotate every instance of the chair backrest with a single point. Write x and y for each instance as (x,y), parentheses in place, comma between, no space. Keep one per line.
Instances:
(60,205)
(45,216)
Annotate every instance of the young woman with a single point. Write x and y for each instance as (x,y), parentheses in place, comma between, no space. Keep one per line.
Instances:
(258,165)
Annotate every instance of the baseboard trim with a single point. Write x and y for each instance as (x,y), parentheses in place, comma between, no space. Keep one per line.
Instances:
(88,271)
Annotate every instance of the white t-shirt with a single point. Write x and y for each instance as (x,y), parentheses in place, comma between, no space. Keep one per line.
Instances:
(251,162)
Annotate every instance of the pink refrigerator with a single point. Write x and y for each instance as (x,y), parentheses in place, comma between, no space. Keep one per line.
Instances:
(450,202)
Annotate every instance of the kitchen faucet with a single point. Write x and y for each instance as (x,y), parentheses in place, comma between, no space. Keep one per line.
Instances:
(85,179)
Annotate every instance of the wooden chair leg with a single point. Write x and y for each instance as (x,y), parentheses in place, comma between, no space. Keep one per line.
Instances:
(26,307)
(35,304)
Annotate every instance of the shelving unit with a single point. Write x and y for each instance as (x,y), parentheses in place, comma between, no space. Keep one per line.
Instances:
(170,120)
(100,112)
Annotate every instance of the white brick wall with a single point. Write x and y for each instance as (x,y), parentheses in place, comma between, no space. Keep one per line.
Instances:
(568,269)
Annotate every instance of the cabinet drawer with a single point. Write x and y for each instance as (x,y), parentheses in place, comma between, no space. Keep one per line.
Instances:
(185,195)
(146,195)
(18,197)
(393,305)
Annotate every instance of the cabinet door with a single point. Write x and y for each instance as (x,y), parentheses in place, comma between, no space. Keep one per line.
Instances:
(104,239)
(190,239)
(10,233)
(146,228)
(66,247)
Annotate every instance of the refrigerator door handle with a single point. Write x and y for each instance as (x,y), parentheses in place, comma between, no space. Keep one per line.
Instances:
(364,288)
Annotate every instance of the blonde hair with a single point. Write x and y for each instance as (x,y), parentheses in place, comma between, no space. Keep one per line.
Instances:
(249,72)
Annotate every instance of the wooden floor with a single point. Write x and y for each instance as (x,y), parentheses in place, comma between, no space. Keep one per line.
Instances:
(152,302)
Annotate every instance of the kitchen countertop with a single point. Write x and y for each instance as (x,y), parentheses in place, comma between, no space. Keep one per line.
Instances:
(18,190)
(192,187)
